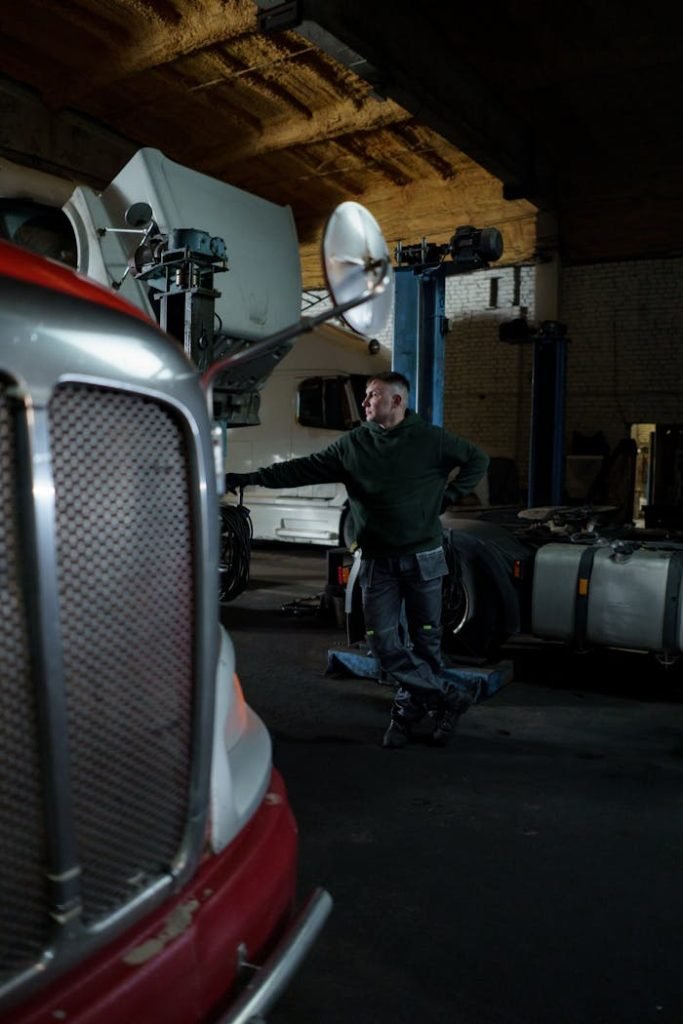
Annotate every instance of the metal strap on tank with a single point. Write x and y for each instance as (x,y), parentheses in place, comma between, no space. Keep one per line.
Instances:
(672,602)
(582,588)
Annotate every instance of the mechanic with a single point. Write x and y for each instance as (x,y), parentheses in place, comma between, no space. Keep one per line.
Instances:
(396,469)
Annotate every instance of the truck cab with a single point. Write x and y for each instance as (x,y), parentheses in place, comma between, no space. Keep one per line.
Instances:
(150,852)
(296,401)
(312,396)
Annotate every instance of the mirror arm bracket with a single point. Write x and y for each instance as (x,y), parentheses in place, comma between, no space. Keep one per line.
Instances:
(262,348)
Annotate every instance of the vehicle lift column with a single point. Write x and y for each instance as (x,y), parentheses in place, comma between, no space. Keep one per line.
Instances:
(546,478)
(546,436)
(420,327)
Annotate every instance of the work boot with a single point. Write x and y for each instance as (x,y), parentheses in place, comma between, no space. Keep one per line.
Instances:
(406,711)
(445,722)
(397,735)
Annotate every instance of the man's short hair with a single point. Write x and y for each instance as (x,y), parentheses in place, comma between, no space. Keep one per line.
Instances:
(392,377)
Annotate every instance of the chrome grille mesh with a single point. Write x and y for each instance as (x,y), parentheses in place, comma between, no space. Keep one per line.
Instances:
(23,899)
(124,549)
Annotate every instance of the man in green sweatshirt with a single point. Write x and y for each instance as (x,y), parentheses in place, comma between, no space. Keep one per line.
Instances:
(396,470)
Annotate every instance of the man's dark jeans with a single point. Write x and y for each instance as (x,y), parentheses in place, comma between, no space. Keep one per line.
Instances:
(411,584)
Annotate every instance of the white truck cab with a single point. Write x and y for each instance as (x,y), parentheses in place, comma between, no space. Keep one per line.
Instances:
(312,396)
(301,399)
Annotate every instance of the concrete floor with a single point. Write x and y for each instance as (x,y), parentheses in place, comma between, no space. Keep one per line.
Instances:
(530,873)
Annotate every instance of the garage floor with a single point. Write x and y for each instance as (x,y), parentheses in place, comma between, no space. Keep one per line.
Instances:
(530,873)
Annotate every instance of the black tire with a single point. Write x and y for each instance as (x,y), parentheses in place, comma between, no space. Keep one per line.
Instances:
(347,534)
(473,620)
(234,552)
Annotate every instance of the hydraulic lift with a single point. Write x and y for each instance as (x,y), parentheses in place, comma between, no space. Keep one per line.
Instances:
(548,390)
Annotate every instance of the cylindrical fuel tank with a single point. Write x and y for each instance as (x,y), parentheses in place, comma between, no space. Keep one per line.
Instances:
(603,596)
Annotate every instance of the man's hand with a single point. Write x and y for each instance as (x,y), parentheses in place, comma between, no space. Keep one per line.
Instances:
(235,480)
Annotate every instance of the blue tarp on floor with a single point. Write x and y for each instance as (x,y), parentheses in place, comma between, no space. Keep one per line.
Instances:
(475,683)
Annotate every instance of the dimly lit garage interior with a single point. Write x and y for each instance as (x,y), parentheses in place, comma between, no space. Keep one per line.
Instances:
(556,128)
(532,872)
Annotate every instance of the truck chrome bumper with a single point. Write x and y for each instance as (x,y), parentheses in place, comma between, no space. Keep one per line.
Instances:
(275,973)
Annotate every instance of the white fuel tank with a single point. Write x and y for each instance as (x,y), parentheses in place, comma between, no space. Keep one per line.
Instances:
(630,599)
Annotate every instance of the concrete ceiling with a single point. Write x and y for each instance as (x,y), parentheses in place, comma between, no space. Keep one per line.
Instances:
(433,115)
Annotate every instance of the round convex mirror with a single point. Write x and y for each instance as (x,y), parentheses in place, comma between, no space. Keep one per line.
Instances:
(139,215)
(356,262)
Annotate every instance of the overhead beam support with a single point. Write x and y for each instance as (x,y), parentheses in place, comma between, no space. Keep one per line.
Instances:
(62,143)
(453,100)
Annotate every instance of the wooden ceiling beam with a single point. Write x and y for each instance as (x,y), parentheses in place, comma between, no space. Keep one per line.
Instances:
(333,124)
(157,39)
(447,97)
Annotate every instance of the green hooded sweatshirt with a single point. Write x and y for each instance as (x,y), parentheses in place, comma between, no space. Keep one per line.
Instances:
(395,478)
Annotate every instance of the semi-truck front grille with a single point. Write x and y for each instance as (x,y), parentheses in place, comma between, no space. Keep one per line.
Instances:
(123,668)
(124,549)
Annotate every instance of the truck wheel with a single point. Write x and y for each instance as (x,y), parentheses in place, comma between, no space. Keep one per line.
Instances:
(347,535)
(473,620)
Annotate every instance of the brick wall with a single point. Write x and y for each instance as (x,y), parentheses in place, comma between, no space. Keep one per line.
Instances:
(624,363)
(624,357)
(487,389)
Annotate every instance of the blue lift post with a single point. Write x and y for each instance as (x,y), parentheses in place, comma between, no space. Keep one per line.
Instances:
(548,396)
(546,438)
(420,327)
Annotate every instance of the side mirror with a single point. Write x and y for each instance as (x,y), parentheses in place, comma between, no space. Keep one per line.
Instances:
(356,264)
(139,215)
